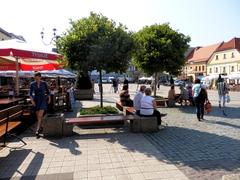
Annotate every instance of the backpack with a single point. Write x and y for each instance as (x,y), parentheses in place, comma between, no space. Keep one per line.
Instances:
(202,96)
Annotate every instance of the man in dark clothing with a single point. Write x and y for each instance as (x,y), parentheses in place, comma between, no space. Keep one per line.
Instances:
(171,81)
(125,82)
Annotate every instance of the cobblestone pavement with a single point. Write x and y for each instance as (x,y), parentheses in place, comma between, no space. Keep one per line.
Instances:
(202,150)
(186,149)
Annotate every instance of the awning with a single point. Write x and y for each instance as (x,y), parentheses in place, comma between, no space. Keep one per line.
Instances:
(29,59)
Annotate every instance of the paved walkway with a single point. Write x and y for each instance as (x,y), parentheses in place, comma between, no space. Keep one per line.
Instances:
(187,149)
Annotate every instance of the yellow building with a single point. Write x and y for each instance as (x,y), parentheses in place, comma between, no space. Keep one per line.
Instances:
(226,59)
(197,62)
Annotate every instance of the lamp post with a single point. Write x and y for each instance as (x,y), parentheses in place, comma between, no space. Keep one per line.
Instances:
(17,73)
(55,37)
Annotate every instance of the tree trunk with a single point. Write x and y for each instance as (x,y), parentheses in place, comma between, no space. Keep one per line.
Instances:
(155,84)
(100,88)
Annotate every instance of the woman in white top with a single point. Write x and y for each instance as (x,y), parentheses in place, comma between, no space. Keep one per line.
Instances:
(149,106)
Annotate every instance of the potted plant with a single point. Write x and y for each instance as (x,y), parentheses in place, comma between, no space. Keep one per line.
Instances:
(84,88)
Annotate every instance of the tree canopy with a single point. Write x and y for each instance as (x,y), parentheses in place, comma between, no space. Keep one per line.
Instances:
(96,43)
(160,48)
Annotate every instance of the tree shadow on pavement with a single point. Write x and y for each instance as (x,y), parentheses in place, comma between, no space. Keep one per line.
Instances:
(14,161)
(230,112)
(194,152)
(66,143)
(199,152)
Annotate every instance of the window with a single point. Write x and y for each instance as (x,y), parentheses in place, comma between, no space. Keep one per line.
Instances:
(195,68)
(224,69)
(191,67)
(216,57)
(202,68)
(210,70)
(224,56)
(216,70)
(232,69)
(199,68)
(233,55)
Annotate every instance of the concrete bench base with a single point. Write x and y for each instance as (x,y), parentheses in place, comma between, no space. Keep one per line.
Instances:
(149,124)
(141,124)
(55,126)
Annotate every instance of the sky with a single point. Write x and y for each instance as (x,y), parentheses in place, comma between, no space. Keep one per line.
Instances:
(205,21)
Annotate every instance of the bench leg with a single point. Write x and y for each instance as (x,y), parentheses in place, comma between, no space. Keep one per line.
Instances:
(13,135)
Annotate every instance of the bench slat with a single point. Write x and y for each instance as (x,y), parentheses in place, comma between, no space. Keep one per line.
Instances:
(11,125)
(99,119)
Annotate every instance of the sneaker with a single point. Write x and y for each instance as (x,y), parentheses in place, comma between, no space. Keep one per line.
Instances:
(40,130)
(224,113)
(37,133)
(163,115)
(199,119)
(161,127)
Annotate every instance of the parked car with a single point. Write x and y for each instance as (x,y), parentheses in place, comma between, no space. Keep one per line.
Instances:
(179,83)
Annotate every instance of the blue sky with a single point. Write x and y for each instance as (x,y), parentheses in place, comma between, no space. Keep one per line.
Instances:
(205,21)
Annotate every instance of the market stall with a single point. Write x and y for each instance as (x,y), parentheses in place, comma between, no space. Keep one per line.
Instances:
(19,56)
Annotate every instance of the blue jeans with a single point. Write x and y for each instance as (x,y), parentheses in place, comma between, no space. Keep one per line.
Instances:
(199,108)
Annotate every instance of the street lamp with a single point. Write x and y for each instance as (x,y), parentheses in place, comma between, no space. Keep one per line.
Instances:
(17,73)
(55,36)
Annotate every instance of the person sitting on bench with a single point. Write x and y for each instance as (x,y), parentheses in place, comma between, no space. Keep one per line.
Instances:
(125,97)
(171,97)
(149,107)
(137,99)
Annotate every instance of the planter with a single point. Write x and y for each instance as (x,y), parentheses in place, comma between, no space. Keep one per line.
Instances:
(55,126)
(84,94)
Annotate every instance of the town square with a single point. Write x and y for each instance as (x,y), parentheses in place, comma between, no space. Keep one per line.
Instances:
(120,90)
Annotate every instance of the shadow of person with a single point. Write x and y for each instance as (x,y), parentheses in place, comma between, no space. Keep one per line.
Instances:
(66,143)
(230,112)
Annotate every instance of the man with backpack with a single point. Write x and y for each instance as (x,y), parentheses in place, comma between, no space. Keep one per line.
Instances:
(199,97)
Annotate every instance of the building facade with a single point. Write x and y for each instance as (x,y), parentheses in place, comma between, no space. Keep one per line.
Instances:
(4,35)
(226,60)
(196,65)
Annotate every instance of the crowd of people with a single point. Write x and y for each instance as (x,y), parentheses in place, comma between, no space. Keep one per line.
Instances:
(195,95)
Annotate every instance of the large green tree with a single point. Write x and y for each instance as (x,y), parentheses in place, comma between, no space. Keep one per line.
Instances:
(96,43)
(159,48)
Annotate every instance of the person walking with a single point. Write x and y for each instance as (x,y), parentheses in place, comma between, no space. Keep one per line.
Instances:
(40,98)
(222,92)
(199,97)
(137,99)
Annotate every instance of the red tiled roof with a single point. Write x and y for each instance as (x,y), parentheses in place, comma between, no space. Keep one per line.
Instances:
(204,53)
(232,44)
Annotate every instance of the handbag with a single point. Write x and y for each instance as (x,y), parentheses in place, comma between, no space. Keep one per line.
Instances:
(228,98)
(207,107)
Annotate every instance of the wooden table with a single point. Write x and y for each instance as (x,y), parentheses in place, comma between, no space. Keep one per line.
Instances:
(8,102)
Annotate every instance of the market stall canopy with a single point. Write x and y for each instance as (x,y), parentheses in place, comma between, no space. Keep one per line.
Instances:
(29,59)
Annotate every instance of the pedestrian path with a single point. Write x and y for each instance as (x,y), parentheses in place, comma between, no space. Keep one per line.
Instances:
(187,149)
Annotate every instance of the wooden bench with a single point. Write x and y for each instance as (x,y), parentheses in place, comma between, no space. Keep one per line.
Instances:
(119,106)
(99,119)
(137,123)
(162,102)
(10,118)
